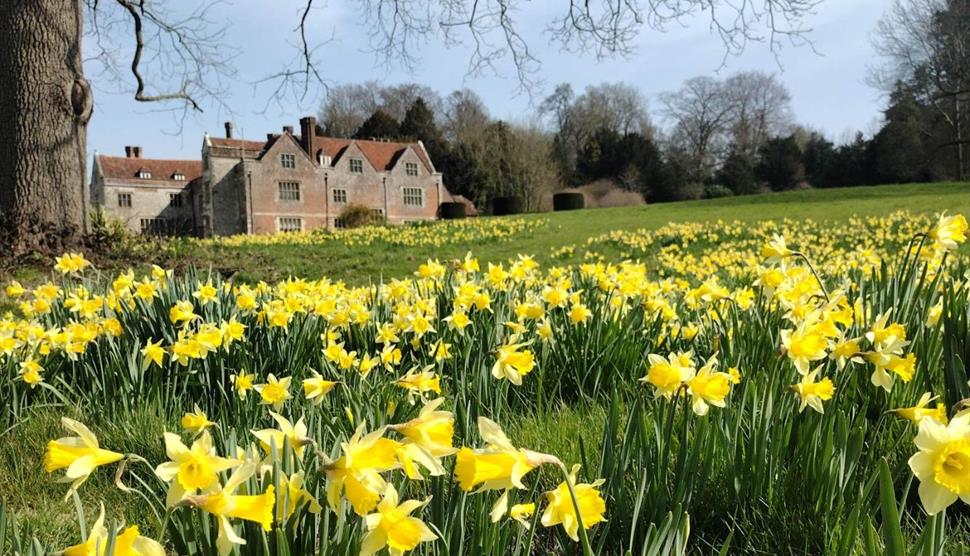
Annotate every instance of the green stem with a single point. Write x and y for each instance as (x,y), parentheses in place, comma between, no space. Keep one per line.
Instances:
(818,278)
(583,538)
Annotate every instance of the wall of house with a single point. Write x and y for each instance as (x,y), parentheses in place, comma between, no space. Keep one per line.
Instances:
(267,173)
(223,193)
(148,201)
(397,180)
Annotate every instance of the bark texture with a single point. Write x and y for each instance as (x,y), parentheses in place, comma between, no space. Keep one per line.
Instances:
(45,105)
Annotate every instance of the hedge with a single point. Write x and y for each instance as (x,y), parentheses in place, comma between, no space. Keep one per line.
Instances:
(450,211)
(507,205)
(568,201)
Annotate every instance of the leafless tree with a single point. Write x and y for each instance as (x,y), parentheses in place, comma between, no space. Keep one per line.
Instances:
(700,114)
(925,47)
(465,116)
(178,57)
(760,109)
(347,106)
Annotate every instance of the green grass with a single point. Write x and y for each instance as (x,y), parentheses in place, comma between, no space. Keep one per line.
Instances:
(357,264)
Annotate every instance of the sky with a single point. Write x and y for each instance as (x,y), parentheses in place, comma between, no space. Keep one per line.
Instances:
(827,84)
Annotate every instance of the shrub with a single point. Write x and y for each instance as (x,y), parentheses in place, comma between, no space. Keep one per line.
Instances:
(507,205)
(450,211)
(568,201)
(355,216)
(716,191)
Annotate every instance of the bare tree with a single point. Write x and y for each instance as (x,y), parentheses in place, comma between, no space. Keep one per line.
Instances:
(346,107)
(760,110)
(925,48)
(701,114)
(465,117)
(178,58)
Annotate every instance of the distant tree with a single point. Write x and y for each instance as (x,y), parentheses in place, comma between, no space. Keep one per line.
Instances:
(760,109)
(817,157)
(632,161)
(346,107)
(737,173)
(465,117)
(465,174)
(380,125)
(925,44)
(396,100)
(851,164)
(701,112)
(780,163)
(671,180)
(901,149)
(419,124)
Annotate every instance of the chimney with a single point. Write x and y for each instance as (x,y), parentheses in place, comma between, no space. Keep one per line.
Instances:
(308,130)
(133,152)
(128,152)
(288,129)
(228,130)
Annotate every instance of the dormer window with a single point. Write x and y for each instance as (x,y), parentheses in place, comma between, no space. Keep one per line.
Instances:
(144,174)
(178,176)
(411,168)
(356,166)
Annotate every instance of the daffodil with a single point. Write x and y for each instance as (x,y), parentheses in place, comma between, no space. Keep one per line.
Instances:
(708,387)
(275,392)
(812,393)
(949,231)
(561,510)
(293,434)
(242,383)
(392,526)
(128,542)
(357,472)
(419,382)
(522,512)
(30,372)
(79,455)
(513,363)
(315,388)
(224,504)
(942,464)
(922,410)
(668,375)
(497,466)
(196,421)
(190,470)
(292,495)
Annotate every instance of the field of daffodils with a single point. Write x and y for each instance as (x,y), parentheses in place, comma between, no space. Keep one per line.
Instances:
(785,387)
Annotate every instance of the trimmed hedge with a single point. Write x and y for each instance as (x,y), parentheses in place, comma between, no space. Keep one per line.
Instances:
(451,211)
(569,200)
(507,205)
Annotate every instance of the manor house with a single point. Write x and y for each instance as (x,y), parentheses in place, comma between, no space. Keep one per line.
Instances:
(288,182)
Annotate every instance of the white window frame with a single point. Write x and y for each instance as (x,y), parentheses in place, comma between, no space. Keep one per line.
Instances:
(411,168)
(127,202)
(288,161)
(179,176)
(342,194)
(286,194)
(144,175)
(285,224)
(356,165)
(411,194)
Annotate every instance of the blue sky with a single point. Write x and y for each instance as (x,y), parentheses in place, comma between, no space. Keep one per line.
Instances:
(828,87)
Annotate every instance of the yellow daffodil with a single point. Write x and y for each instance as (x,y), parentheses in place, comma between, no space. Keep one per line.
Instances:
(561,510)
(242,383)
(315,388)
(668,375)
(942,464)
(392,526)
(30,372)
(293,434)
(225,504)
(949,231)
(190,470)
(812,393)
(128,542)
(79,455)
(275,392)
(196,421)
(357,472)
(513,363)
(708,387)
(922,410)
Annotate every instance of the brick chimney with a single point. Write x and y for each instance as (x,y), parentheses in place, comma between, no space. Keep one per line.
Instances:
(136,151)
(132,152)
(128,151)
(288,129)
(228,130)
(308,130)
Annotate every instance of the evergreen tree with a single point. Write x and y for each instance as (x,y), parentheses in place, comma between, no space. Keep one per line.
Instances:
(780,163)
(380,125)
(737,174)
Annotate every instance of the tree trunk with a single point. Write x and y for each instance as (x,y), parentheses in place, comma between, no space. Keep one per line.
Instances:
(45,104)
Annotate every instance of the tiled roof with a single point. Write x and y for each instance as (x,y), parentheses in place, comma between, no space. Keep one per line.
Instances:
(381,154)
(119,167)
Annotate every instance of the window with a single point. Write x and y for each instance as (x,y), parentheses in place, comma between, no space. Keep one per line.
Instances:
(288,160)
(178,176)
(411,168)
(356,165)
(339,223)
(290,224)
(144,174)
(413,197)
(289,191)
(157,226)
(124,200)
(340,196)
(175,200)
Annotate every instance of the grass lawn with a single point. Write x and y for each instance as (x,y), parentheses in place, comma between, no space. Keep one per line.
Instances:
(359,264)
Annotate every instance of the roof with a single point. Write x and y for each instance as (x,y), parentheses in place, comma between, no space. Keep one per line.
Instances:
(123,168)
(381,154)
